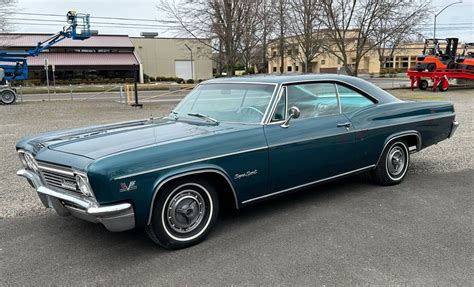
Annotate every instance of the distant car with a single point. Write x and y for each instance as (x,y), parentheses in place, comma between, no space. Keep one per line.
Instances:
(231,142)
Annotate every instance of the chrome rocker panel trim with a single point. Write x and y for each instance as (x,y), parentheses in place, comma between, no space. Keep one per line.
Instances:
(116,218)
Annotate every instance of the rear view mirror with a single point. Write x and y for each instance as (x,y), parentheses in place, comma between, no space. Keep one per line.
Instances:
(293,113)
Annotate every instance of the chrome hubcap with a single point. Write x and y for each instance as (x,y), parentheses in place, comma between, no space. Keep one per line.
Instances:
(396,161)
(7,96)
(186,211)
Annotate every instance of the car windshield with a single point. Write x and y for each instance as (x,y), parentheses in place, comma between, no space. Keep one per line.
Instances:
(226,102)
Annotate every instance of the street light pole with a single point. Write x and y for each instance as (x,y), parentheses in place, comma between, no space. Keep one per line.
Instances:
(436,15)
(192,66)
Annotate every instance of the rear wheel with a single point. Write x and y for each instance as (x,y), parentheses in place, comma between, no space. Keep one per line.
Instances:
(183,214)
(423,85)
(393,164)
(8,97)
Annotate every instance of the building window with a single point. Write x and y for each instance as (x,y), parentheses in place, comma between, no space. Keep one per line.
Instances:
(297,68)
(274,69)
(323,62)
(289,68)
(274,53)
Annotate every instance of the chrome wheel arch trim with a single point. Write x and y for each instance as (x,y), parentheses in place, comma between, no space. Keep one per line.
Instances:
(167,179)
(395,136)
(211,212)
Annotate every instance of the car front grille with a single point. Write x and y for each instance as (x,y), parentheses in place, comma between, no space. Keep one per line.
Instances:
(59,177)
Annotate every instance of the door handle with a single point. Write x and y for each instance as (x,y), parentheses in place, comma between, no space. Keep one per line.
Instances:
(344,125)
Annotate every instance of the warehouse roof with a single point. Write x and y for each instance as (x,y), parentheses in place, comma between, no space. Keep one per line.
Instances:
(97,41)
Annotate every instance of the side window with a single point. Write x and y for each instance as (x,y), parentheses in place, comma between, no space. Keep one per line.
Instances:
(352,100)
(313,99)
(281,109)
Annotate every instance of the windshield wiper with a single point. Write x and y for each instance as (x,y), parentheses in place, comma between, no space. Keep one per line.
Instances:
(201,116)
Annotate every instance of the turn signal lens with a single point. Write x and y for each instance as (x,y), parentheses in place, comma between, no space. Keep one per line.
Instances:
(83,185)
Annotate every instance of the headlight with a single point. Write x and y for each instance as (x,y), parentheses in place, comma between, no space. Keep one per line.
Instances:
(30,161)
(83,184)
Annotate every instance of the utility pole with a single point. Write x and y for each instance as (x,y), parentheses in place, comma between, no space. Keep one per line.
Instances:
(436,15)
(192,66)
(46,69)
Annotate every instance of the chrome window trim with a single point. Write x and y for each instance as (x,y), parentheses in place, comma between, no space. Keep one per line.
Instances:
(281,91)
(332,81)
(306,184)
(400,135)
(275,89)
(189,162)
(164,181)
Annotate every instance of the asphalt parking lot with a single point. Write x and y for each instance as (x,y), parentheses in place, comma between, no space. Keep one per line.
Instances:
(348,232)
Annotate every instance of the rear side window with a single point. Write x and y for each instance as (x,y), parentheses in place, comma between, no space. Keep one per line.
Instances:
(352,100)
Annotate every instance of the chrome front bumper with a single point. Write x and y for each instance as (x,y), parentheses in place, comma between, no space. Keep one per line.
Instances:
(117,217)
(454,126)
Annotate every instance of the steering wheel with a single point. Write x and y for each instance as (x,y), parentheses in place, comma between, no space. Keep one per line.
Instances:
(249,109)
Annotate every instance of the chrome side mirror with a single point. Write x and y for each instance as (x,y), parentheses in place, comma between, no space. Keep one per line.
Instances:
(293,113)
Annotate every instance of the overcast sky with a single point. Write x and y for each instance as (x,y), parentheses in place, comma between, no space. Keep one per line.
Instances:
(459,15)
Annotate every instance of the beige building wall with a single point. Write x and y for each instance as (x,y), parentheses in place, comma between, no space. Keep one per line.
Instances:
(403,58)
(158,56)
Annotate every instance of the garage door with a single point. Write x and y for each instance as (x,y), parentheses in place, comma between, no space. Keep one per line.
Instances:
(183,69)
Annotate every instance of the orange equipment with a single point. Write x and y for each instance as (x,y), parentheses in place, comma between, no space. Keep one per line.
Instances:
(434,58)
(466,59)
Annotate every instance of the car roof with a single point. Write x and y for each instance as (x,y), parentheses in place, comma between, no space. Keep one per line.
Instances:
(364,86)
(278,79)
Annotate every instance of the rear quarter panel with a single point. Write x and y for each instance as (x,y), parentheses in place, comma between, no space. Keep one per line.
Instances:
(378,124)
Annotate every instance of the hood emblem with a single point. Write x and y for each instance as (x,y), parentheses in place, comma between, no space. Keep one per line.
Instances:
(124,187)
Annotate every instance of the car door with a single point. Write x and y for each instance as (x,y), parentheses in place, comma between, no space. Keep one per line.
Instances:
(315,146)
(356,106)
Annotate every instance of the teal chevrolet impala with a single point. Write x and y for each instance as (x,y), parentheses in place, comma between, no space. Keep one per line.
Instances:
(230,143)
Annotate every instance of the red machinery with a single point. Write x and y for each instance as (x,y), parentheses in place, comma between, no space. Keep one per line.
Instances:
(438,77)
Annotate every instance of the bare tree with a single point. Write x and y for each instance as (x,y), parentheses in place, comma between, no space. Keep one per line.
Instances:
(352,24)
(249,38)
(220,20)
(305,27)
(265,27)
(390,35)
(280,12)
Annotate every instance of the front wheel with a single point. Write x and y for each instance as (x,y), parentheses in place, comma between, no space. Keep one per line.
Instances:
(393,164)
(183,214)
(8,97)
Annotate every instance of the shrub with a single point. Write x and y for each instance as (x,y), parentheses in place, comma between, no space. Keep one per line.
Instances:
(189,81)
(179,80)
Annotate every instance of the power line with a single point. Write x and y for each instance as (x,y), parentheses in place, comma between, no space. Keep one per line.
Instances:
(100,17)
(92,24)
(98,26)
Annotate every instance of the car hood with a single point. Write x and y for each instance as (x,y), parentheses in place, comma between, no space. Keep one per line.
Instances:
(99,141)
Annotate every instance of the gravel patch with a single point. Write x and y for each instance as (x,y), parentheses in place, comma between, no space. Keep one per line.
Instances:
(17,198)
